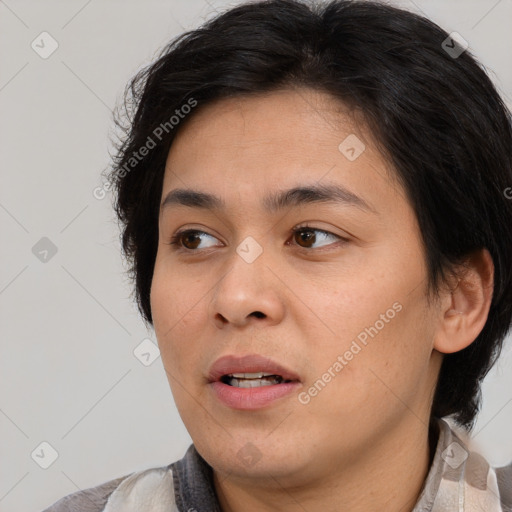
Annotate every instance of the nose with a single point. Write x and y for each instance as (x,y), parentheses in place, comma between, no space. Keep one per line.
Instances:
(248,293)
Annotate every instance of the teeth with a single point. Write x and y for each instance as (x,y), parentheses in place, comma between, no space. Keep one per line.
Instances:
(254,383)
(257,375)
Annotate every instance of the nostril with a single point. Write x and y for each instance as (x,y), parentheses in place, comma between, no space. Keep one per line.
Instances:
(222,319)
(258,314)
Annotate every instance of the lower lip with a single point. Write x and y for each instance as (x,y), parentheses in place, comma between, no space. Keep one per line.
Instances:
(252,398)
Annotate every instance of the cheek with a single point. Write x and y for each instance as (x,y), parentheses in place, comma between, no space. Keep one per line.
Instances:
(173,294)
(343,308)
(383,336)
(177,307)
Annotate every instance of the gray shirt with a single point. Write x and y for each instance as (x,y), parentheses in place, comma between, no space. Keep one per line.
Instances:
(459,480)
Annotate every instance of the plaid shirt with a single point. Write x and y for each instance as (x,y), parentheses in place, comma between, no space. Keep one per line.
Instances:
(458,481)
(461,480)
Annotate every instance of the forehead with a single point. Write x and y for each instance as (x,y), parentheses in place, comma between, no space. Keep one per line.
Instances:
(284,115)
(249,145)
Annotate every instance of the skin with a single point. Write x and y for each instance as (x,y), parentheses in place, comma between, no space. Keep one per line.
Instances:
(362,442)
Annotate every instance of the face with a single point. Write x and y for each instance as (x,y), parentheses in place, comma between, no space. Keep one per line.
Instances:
(326,290)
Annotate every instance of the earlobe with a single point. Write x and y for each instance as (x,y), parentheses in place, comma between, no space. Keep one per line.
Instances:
(464,308)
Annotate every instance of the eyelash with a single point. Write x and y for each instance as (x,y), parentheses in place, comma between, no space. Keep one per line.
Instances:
(174,240)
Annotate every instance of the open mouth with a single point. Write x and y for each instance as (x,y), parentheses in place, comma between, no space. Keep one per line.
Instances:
(252,380)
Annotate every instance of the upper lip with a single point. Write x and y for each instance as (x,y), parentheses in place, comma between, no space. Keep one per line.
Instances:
(248,364)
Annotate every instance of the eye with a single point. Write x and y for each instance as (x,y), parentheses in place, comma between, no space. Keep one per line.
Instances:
(306,237)
(189,239)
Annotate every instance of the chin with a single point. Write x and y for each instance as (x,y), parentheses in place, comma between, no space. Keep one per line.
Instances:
(259,458)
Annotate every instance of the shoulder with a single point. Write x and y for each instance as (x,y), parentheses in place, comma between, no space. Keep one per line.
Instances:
(87,500)
(504,481)
(151,489)
(460,478)
(471,478)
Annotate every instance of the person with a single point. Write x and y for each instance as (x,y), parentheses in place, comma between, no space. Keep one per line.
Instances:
(313,203)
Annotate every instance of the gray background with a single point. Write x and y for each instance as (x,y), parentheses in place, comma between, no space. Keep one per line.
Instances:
(68,373)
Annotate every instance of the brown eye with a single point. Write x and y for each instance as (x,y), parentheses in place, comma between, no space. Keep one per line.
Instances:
(189,239)
(306,237)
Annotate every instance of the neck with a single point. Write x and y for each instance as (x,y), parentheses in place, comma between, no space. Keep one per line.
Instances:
(387,477)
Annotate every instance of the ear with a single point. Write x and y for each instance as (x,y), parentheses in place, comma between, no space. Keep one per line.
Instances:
(465,307)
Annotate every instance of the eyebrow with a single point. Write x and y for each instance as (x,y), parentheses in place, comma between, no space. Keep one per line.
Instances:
(274,202)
